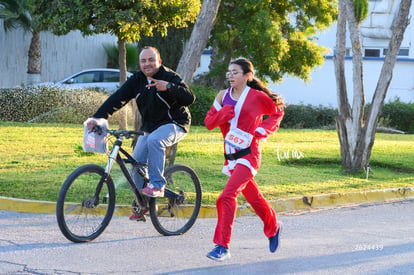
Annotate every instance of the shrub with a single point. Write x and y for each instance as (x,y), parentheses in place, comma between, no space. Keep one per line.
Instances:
(205,98)
(296,116)
(308,116)
(15,104)
(50,104)
(399,115)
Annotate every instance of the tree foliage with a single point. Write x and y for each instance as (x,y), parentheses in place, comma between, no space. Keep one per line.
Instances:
(275,35)
(19,14)
(171,46)
(112,52)
(16,14)
(361,10)
(127,20)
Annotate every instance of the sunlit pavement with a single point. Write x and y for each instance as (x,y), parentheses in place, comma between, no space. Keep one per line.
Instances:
(373,238)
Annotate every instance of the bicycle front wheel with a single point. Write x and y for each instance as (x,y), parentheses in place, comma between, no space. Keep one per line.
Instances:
(177,212)
(83,210)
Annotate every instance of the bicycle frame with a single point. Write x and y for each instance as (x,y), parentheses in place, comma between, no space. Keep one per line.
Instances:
(116,156)
(81,217)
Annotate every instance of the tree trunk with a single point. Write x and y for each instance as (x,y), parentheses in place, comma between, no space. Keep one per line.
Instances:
(198,40)
(350,119)
(34,65)
(193,50)
(342,95)
(123,118)
(356,137)
(401,22)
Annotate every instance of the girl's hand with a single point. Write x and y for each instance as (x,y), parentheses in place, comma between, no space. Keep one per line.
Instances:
(260,134)
(227,112)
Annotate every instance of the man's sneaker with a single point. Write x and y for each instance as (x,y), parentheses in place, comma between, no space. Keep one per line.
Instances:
(274,241)
(219,253)
(151,191)
(139,216)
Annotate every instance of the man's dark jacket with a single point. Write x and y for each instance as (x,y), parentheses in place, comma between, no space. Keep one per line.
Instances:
(156,107)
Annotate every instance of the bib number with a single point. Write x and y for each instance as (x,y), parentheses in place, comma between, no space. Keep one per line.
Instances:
(238,139)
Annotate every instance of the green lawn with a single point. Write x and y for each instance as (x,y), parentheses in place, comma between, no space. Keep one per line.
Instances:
(36,158)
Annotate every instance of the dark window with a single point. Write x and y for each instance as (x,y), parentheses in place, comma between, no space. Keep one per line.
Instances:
(372,52)
(111,77)
(402,52)
(84,78)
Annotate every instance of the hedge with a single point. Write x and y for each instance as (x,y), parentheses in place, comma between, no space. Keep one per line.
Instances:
(49,104)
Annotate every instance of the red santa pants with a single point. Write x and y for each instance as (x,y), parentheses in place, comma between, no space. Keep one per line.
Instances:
(241,180)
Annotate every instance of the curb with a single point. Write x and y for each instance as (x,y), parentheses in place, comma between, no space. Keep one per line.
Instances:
(287,205)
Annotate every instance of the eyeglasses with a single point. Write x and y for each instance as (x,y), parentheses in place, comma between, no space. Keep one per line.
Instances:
(233,73)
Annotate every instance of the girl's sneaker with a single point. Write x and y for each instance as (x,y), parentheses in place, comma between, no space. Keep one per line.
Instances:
(219,253)
(275,240)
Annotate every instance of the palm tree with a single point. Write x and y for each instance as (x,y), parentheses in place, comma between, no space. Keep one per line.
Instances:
(17,14)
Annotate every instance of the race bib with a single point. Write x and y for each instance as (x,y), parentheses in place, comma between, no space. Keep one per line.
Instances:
(239,139)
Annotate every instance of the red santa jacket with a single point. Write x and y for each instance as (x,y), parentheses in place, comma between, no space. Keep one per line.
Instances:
(247,116)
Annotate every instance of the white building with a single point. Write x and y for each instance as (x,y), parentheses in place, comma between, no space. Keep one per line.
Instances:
(375,32)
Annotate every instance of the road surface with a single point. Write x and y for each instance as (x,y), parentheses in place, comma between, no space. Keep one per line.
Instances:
(362,239)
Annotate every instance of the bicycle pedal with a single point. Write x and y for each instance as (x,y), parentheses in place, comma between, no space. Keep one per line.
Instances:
(143,219)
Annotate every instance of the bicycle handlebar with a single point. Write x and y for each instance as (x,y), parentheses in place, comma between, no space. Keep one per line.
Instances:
(117,133)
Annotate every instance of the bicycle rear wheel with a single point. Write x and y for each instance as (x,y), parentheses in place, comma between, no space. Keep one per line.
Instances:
(175,216)
(81,216)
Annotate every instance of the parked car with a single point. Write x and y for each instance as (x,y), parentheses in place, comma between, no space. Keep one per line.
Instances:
(106,79)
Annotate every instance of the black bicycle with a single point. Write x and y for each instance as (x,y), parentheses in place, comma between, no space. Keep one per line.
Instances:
(86,200)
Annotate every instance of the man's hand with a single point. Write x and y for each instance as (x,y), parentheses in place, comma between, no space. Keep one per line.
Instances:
(91,123)
(160,85)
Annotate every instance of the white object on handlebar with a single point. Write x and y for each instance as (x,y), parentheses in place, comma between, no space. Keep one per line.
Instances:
(93,142)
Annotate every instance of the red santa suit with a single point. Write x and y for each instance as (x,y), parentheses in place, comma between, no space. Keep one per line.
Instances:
(246,117)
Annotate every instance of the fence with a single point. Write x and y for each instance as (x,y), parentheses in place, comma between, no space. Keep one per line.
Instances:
(61,55)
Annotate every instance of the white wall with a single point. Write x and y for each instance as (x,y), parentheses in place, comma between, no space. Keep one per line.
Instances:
(61,55)
(321,90)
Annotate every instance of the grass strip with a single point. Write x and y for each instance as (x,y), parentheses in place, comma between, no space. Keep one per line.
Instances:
(36,158)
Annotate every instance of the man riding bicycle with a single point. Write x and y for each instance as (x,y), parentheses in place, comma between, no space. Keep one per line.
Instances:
(162,99)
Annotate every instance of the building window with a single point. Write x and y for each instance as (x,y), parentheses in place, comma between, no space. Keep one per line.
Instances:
(372,52)
(402,52)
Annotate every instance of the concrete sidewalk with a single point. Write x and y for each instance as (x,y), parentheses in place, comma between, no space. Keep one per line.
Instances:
(282,205)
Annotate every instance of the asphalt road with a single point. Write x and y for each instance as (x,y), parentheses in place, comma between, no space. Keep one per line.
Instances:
(362,239)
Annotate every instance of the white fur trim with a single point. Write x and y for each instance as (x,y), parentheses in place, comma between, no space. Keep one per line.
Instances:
(227,168)
(235,120)
(261,130)
(217,105)
(247,163)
